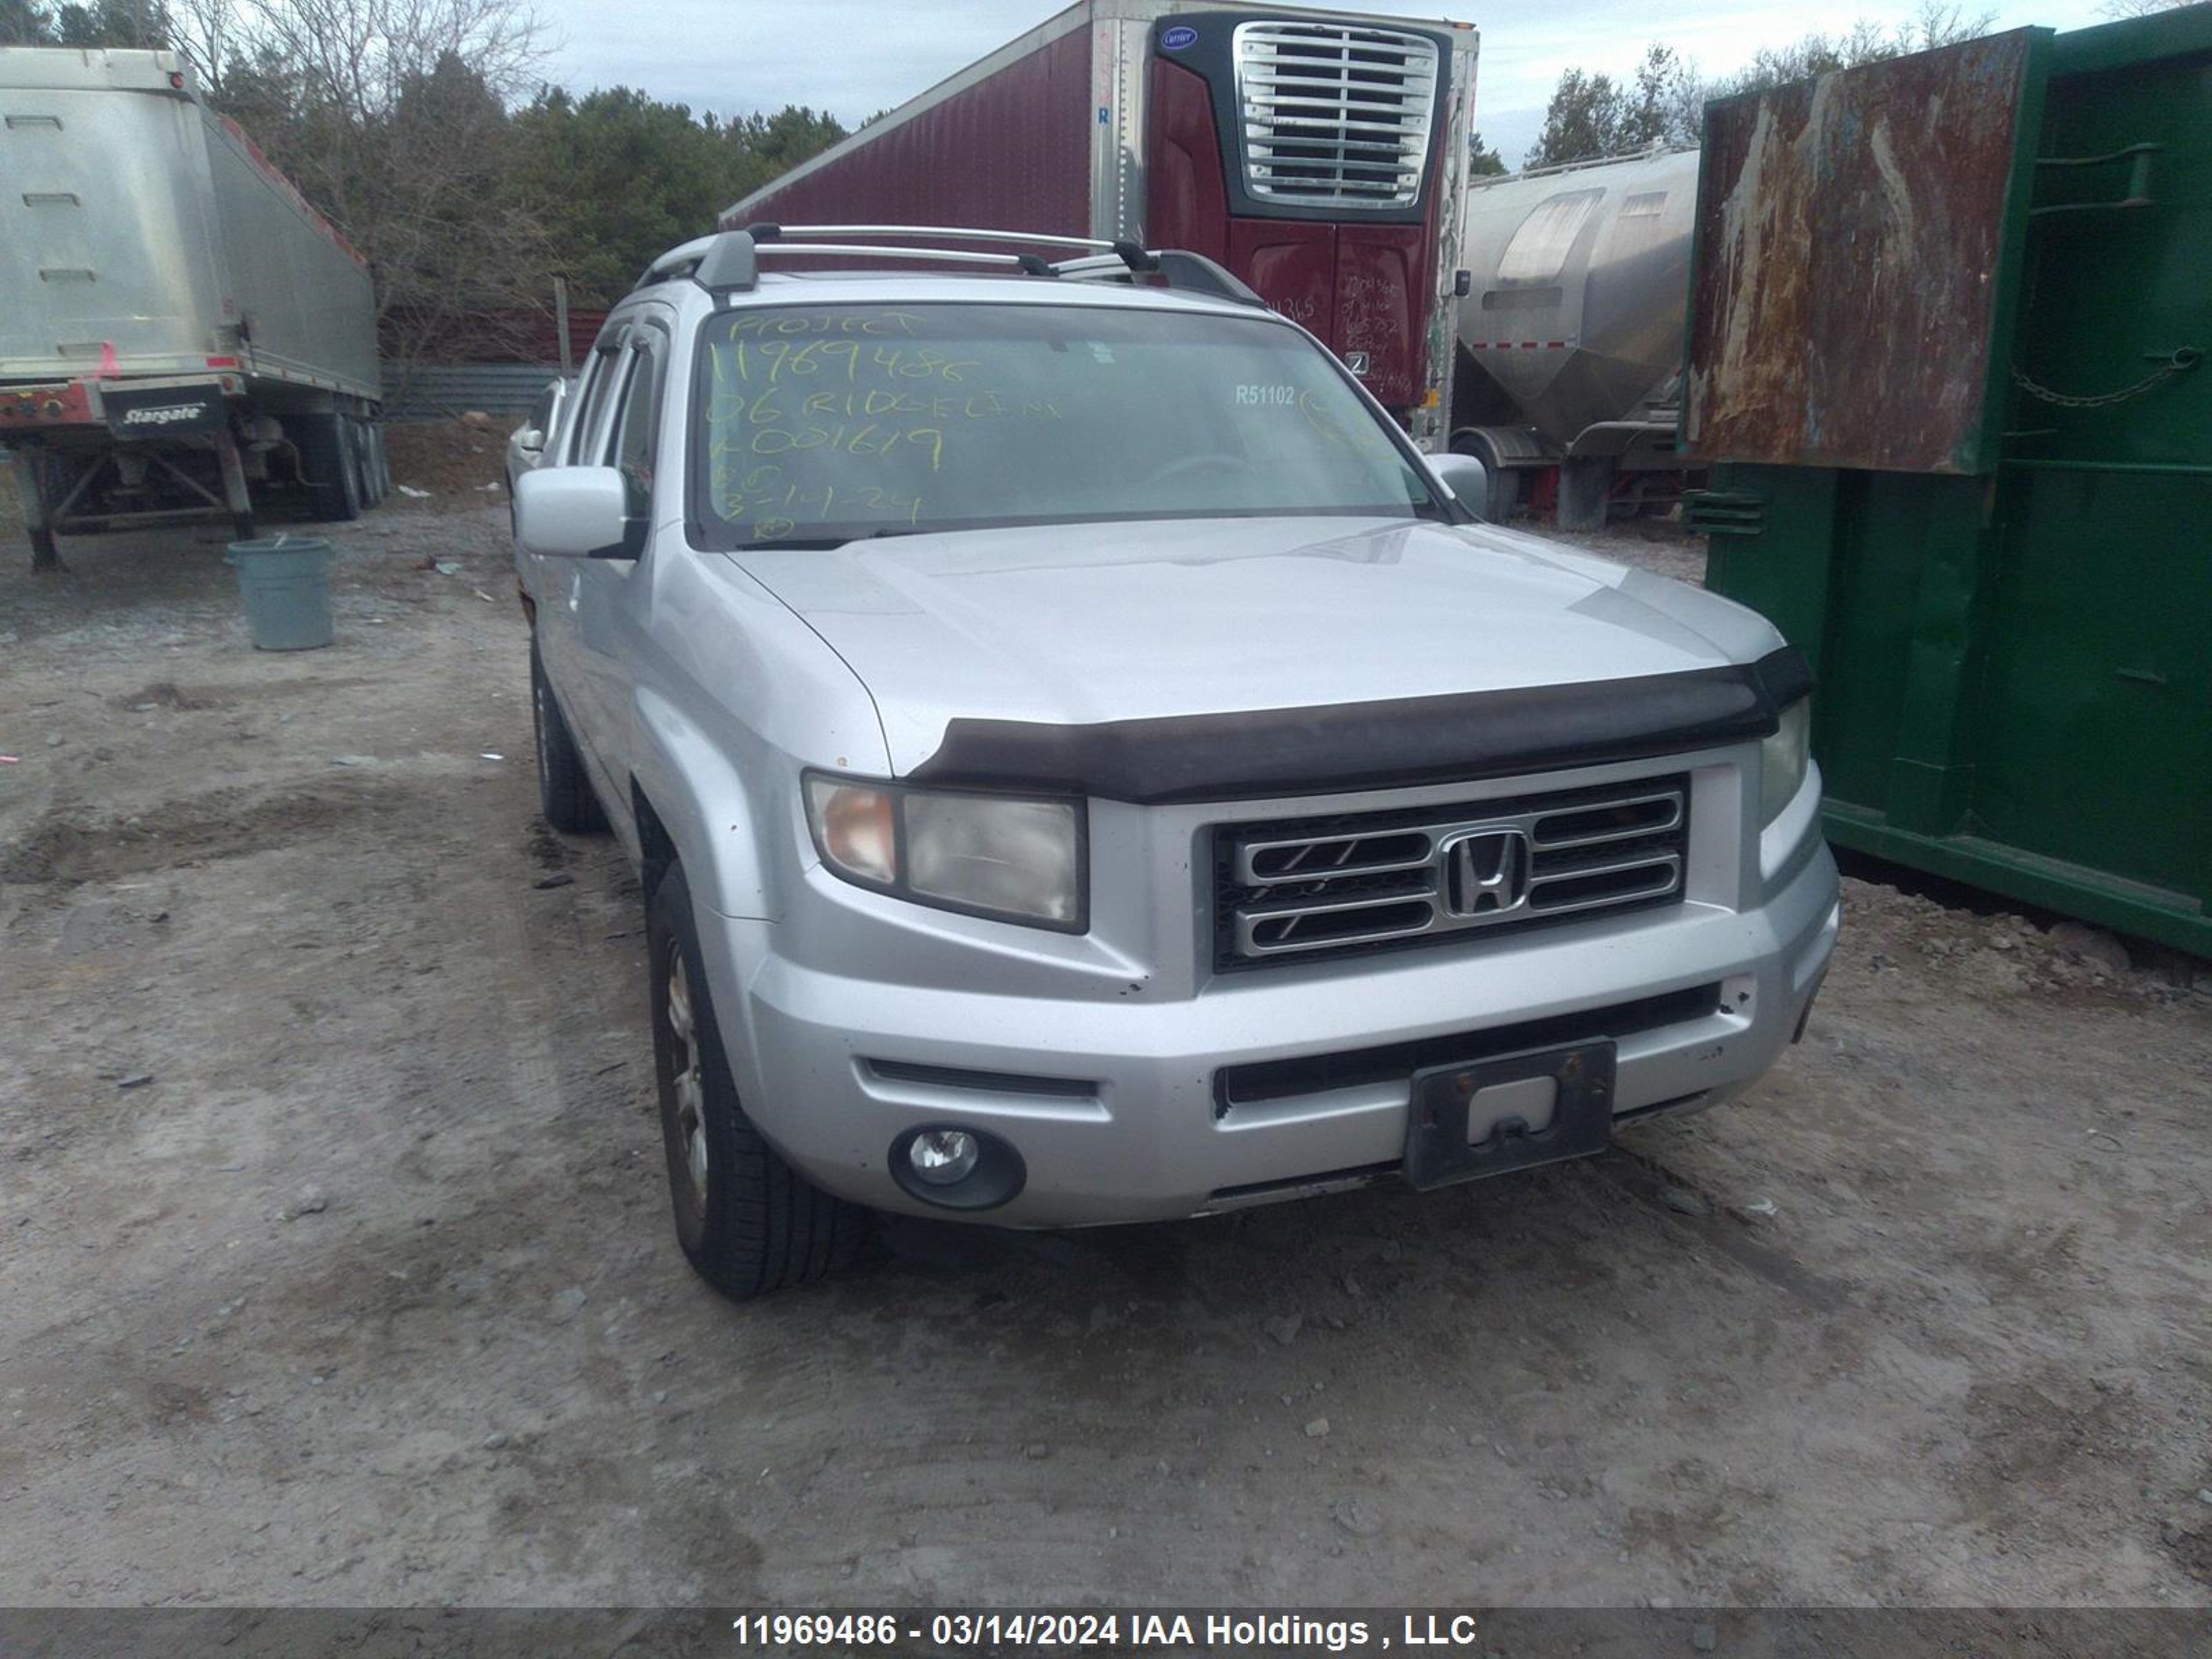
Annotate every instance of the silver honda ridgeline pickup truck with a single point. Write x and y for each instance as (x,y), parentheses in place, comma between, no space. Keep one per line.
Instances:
(1085,765)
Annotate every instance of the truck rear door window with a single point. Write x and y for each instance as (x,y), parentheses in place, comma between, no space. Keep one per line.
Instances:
(598,377)
(637,423)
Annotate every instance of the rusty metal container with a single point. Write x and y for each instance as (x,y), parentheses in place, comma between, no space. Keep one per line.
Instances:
(1948,323)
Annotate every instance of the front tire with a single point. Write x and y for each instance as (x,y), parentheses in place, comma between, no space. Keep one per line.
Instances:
(747,1221)
(564,792)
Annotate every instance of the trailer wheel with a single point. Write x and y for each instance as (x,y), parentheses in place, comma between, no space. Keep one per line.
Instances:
(326,460)
(372,477)
(372,451)
(358,461)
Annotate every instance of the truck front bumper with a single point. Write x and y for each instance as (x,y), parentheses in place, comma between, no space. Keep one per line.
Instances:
(1261,1087)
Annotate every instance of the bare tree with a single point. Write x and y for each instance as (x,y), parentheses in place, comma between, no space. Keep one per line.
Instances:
(2143,8)
(392,115)
(201,33)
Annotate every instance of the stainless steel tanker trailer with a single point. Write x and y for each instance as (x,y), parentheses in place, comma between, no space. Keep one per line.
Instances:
(1571,333)
(178,325)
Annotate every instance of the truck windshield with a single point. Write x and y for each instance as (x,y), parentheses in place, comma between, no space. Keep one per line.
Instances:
(821,424)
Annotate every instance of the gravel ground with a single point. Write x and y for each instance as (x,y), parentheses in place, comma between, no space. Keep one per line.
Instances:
(334,1266)
(1654,544)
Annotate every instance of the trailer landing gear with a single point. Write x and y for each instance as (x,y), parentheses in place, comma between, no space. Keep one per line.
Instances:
(233,468)
(30,490)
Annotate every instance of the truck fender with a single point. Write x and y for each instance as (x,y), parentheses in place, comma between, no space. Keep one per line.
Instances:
(706,811)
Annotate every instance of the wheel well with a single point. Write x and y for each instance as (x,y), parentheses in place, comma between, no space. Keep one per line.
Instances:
(656,847)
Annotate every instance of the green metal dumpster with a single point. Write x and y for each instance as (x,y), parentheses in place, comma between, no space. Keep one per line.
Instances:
(1948,321)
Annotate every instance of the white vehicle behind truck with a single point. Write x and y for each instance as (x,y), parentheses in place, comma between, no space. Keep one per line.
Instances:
(178,325)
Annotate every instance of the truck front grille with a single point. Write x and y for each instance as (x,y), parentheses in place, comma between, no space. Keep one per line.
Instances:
(1334,115)
(1311,888)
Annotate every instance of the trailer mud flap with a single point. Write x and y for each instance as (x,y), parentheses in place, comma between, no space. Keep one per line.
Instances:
(163,412)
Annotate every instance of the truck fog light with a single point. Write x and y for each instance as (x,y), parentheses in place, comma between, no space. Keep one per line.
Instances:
(942,1158)
(949,1168)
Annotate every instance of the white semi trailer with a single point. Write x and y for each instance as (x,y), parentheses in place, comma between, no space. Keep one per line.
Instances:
(178,326)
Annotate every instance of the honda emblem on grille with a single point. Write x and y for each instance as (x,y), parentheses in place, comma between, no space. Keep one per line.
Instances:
(1485,873)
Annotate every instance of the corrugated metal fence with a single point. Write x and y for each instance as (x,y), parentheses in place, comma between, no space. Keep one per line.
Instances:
(439,392)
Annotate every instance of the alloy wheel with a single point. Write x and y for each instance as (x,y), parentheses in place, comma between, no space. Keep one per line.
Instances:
(686,1077)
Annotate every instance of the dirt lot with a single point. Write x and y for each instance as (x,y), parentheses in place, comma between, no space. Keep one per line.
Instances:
(334,1266)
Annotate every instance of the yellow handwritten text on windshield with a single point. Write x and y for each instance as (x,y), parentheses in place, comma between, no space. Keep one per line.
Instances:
(794,389)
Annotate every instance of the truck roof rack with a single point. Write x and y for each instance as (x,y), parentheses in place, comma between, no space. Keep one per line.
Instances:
(729,261)
(1176,268)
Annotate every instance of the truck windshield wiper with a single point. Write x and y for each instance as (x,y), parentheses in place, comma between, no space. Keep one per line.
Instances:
(823,543)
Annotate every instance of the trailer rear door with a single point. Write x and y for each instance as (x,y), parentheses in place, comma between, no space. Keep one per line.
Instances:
(104,239)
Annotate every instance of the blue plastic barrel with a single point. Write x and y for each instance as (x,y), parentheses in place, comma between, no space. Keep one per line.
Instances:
(285,582)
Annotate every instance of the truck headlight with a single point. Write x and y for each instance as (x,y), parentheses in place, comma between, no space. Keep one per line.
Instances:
(1782,759)
(1007,856)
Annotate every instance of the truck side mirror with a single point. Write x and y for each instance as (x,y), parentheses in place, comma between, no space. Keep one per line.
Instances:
(1465,476)
(576,512)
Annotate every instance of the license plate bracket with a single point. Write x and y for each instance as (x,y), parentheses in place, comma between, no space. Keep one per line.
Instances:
(1437,1151)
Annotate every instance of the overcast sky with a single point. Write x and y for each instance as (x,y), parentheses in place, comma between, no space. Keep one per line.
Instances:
(856,56)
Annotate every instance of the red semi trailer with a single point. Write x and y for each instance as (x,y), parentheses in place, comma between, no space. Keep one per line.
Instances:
(1321,156)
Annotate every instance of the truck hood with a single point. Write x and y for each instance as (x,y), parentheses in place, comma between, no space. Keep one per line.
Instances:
(1075,625)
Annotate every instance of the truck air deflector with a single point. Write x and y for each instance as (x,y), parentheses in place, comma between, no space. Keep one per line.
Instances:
(1399,743)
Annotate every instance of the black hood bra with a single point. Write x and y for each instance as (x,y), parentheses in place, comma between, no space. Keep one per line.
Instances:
(1396,743)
